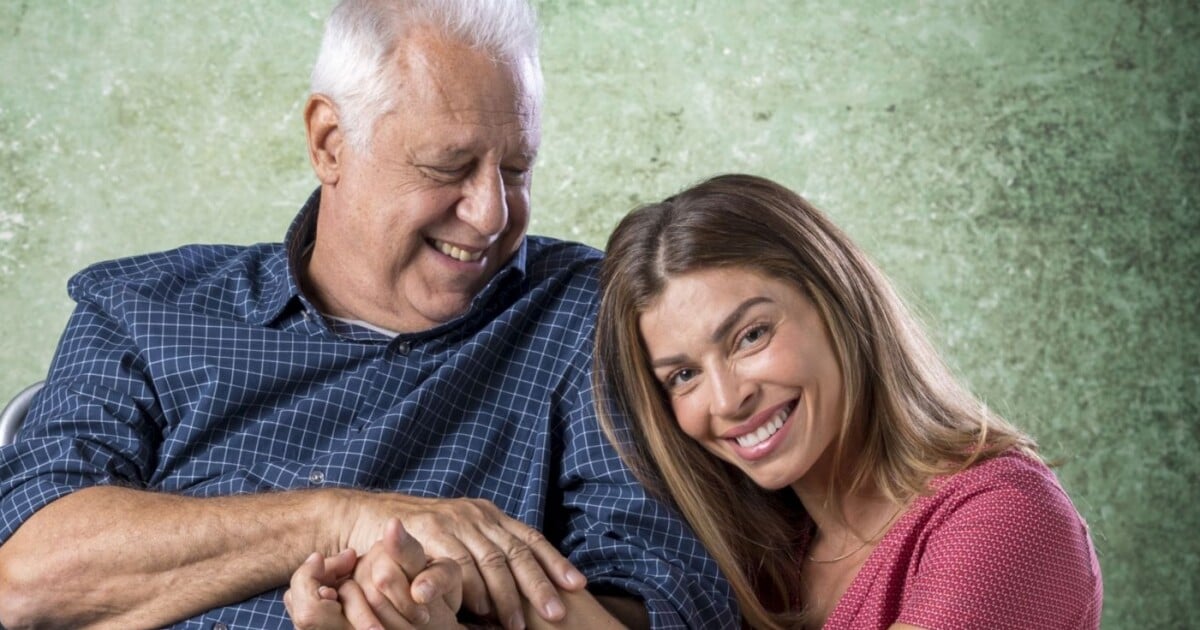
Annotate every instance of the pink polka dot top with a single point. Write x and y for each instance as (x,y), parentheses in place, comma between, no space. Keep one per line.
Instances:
(996,546)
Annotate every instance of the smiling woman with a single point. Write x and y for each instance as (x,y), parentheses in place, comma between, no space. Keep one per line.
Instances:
(749,372)
(771,369)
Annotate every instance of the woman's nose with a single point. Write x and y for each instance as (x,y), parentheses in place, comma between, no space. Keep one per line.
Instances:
(731,394)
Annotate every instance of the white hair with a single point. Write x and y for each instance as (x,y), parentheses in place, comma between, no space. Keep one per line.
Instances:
(361,35)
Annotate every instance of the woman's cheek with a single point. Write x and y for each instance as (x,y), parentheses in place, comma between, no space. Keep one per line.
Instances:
(687,414)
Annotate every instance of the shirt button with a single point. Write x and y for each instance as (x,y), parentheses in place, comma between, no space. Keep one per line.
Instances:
(220,626)
(404,348)
(316,477)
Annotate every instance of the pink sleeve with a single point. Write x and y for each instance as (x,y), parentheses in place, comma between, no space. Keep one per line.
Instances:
(1009,551)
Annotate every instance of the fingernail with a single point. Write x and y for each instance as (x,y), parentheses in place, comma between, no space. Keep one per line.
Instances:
(422,616)
(423,593)
(554,609)
(516,622)
(575,578)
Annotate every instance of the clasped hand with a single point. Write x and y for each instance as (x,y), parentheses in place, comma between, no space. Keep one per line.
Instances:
(446,554)
(392,586)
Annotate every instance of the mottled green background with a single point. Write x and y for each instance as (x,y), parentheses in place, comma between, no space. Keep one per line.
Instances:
(1028,172)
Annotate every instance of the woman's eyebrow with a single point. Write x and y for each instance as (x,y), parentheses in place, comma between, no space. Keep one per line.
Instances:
(721,331)
(735,316)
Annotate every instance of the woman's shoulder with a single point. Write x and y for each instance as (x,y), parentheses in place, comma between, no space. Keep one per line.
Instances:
(1011,496)
(1001,531)
(1012,504)
(1011,470)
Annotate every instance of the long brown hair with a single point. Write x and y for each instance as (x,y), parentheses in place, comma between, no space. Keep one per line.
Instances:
(906,418)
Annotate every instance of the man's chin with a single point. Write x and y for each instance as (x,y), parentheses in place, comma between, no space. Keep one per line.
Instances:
(434,313)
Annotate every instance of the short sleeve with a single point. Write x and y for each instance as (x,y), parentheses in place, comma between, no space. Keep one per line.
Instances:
(1011,553)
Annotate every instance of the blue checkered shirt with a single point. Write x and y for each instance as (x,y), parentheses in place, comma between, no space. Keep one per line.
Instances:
(205,371)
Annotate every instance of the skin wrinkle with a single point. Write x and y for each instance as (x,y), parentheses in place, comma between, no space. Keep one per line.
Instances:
(421,60)
(389,231)
(497,128)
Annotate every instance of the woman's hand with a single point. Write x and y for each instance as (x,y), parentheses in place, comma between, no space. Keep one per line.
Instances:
(504,562)
(312,597)
(392,586)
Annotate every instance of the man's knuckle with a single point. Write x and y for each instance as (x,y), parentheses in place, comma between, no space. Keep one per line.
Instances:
(520,553)
(495,559)
(543,589)
(533,538)
(464,560)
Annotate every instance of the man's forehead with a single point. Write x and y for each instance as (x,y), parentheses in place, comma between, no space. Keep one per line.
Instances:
(492,95)
(428,55)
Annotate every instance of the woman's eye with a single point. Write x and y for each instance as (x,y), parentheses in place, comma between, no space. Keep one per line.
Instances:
(679,378)
(752,336)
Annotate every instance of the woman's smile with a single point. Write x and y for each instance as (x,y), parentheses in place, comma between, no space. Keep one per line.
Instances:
(757,440)
(748,369)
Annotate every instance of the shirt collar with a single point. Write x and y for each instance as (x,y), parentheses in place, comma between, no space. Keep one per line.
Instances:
(283,293)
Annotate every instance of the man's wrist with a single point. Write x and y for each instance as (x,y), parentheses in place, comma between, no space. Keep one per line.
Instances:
(332,516)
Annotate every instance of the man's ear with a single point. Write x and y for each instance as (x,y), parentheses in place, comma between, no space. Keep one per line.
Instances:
(325,138)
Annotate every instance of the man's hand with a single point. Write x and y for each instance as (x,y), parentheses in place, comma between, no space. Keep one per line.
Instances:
(502,559)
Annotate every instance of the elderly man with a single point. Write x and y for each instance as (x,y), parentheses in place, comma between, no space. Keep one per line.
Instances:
(407,371)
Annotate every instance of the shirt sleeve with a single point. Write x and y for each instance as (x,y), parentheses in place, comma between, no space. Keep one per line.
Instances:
(1010,553)
(621,538)
(88,426)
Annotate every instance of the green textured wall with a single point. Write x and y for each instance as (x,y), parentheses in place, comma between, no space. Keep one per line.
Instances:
(1028,171)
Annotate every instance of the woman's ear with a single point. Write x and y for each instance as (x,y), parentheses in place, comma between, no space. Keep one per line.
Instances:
(325,138)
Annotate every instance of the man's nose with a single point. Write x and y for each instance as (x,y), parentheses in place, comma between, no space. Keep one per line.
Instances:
(484,205)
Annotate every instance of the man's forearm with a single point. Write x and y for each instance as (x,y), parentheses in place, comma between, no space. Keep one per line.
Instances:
(116,557)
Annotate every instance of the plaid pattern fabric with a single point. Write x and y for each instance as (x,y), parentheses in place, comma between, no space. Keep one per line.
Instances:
(204,371)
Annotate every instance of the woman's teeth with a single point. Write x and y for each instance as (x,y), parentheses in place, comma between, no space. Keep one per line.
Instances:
(765,431)
(458,254)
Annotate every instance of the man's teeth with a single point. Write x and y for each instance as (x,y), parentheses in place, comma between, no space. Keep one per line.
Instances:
(458,254)
(766,430)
